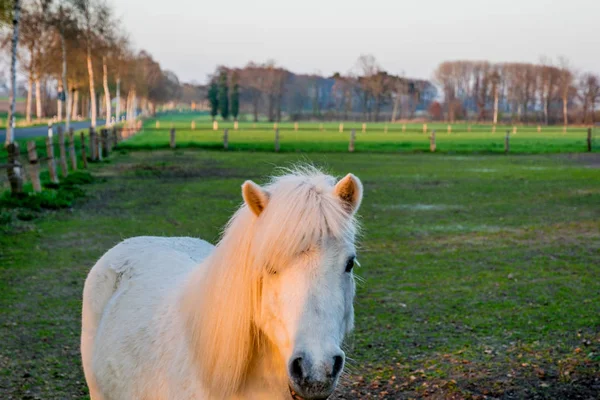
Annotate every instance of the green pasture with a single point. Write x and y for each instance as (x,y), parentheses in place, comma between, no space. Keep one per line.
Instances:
(378,137)
(479,273)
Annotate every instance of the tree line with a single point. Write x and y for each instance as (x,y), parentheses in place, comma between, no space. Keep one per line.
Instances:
(367,92)
(545,93)
(78,52)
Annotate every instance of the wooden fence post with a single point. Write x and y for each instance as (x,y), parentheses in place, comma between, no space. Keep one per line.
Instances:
(226,139)
(589,139)
(235,125)
(432,145)
(507,142)
(93,144)
(215,125)
(449,129)
(277,140)
(51,162)
(14,170)
(274,125)
(72,154)
(341,128)
(34,168)
(50,129)
(157,124)
(364,128)
(83,151)
(352,139)
(172,142)
(193,125)
(115,136)
(296,126)
(424,128)
(514,130)
(98,145)
(539,128)
(62,152)
(105,142)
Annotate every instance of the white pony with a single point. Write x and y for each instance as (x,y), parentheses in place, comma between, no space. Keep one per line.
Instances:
(261,315)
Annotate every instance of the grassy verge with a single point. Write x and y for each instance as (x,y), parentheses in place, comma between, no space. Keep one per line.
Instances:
(479,273)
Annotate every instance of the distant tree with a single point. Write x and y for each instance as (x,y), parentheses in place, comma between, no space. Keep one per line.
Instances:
(223,95)
(213,99)
(435,111)
(565,84)
(235,98)
(589,86)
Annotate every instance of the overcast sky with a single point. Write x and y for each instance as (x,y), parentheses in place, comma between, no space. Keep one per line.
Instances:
(192,37)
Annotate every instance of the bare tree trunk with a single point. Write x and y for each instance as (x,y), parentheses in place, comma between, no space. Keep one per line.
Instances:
(65,85)
(496,105)
(29,98)
(59,103)
(75,104)
(255,108)
(134,105)
(396,106)
(10,134)
(106,92)
(546,100)
(565,110)
(118,105)
(38,98)
(130,105)
(92,90)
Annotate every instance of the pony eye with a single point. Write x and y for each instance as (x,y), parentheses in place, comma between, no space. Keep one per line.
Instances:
(350,264)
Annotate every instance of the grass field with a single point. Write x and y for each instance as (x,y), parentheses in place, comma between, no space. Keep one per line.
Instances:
(313,136)
(480,272)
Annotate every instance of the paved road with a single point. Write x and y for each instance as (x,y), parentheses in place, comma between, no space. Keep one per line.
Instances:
(34,131)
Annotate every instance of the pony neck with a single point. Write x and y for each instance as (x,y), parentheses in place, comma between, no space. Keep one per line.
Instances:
(218,305)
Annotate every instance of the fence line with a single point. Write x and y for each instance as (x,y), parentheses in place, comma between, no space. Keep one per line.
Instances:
(98,143)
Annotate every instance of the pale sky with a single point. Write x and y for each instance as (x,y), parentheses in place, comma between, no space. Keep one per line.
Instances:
(323,36)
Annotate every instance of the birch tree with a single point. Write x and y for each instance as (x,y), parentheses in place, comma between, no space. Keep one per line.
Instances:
(13,16)
(90,14)
(566,84)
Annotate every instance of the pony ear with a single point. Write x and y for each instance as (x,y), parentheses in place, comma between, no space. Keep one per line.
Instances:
(255,197)
(349,189)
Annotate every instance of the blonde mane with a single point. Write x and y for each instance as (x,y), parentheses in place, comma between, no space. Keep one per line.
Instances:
(223,297)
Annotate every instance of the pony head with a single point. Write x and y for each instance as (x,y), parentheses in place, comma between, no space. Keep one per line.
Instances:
(303,243)
(280,282)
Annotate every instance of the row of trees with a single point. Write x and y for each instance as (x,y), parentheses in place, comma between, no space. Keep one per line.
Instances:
(219,99)
(67,49)
(546,92)
(367,92)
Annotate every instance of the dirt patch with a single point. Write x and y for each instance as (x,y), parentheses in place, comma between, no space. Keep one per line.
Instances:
(564,234)
(590,160)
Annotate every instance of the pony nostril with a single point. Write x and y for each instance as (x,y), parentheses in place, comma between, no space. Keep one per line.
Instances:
(338,364)
(296,370)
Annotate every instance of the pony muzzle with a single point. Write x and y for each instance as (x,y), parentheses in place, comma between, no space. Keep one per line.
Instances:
(314,380)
